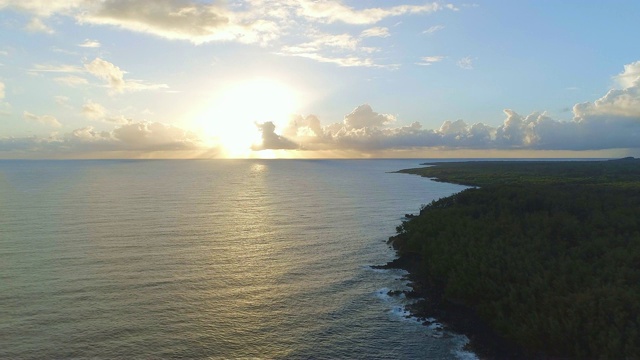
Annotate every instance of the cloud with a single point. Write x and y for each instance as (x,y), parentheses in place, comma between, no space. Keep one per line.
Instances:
(93,110)
(364,117)
(107,71)
(63,101)
(340,49)
(71,80)
(300,126)
(47,120)
(90,44)
(99,68)
(375,32)
(155,136)
(114,76)
(331,11)
(190,20)
(430,60)
(348,61)
(466,63)
(630,76)
(245,21)
(610,122)
(134,138)
(46,68)
(37,25)
(43,8)
(617,103)
(193,21)
(433,29)
(172,19)
(271,140)
(5,107)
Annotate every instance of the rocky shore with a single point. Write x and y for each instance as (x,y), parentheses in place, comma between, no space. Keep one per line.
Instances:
(537,261)
(429,304)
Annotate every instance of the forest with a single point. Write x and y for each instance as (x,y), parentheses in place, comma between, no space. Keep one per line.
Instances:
(545,253)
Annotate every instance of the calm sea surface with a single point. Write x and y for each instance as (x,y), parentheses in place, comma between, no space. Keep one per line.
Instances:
(208,259)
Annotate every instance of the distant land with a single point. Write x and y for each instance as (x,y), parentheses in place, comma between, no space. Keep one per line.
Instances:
(538,259)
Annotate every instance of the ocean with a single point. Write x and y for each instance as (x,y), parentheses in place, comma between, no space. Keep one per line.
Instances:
(209,259)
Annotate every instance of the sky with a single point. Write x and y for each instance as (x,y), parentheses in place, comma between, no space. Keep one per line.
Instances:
(319,79)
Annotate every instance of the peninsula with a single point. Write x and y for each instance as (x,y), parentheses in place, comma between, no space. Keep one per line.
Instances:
(539,259)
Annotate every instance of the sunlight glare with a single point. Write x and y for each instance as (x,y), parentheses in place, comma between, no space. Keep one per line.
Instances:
(231,118)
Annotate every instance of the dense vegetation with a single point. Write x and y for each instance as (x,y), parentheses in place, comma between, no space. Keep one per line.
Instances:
(546,253)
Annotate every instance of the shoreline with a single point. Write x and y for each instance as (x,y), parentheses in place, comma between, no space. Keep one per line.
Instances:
(430,303)
(460,319)
(522,262)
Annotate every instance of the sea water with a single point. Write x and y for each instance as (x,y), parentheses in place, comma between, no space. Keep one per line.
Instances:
(209,259)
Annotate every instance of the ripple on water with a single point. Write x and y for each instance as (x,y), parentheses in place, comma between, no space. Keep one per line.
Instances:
(208,259)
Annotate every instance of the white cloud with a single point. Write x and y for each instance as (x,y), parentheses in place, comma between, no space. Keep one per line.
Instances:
(107,71)
(71,80)
(349,61)
(301,126)
(364,117)
(433,29)
(630,76)
(43,8)
(63,101)
(340,49)
(193,21)
(93,110)
(171,19)
(244,21)
(322,41)
(37,25)
(202,21)
(114,77)
(466,63)
(90,44)
(145,136)
(120,120)
(155,136)
(331,11)
(5,107)
(376,32)
(101,69)
(429,60)
(47,120)
(134,139)
(616,103)
(611,122)
(45,68)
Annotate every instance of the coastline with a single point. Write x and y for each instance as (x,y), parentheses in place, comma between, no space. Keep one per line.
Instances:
(460,319)
(484,342)
(529,241)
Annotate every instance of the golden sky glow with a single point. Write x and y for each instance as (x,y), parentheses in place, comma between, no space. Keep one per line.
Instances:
(310,78)
(241,106)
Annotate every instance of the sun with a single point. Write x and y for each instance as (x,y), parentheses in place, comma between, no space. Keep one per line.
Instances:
(231,116)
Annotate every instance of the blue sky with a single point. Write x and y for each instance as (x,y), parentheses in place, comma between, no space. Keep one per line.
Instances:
(326,78)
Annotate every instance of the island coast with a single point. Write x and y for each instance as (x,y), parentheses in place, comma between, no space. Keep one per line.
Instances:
(540,259)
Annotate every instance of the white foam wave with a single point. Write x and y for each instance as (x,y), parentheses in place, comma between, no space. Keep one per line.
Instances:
(383,294)
(377,270)
(460,351)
